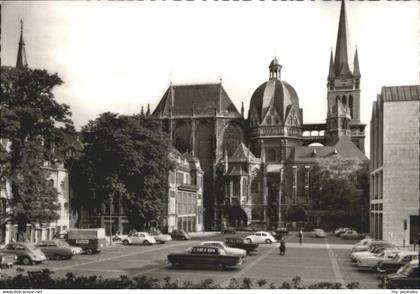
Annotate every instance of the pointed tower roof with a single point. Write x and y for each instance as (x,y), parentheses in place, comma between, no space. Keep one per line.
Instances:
(341,64)
(356,69)
(21,61)
(331,74)
(243,154)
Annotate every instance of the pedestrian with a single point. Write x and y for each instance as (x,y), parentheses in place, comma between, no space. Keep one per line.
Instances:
(300,234)
(282,247)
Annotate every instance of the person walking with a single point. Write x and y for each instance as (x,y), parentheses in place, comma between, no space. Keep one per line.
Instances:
(300,235)
(282,247)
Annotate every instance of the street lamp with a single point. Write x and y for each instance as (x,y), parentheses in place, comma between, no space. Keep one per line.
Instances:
(110,221)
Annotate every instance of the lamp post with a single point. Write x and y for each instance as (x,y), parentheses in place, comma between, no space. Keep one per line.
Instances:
(110,221)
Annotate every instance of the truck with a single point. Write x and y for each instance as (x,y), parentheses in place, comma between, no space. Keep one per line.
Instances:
(90,240)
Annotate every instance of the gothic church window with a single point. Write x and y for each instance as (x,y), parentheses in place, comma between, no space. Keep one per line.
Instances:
(244,187)
(232,138)
(268,120)
(236,188)
(351,105)
(182,138)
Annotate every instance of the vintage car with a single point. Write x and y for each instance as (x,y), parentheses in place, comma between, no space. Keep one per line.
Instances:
(7,260)
(204,256)
(371,244)
(139,238)
(26,253)
(180,235)
(229,250)
(229,230)
(58,249)
(373,249)
(352,235)
(362,245)
(399,260)
(407,277)
(260,237)
(318,233)
(241,244)
(340,231)
(371,261)
(159,237)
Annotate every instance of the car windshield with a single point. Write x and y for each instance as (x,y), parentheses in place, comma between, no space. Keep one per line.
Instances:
(405,270)
(62,243)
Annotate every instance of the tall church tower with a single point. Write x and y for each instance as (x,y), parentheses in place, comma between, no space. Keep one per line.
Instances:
(21,61)
(343,115)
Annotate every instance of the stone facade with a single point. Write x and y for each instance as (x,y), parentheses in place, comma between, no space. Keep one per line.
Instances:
(394,176)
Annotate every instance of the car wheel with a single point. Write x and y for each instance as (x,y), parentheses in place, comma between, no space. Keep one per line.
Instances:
(268,241)
(162,242)
(26,260)
(220,266)
(125,243)
(248,240)
(88,251)
(379,270)
(57,256)
(145,243)
(176,265)
(183,238)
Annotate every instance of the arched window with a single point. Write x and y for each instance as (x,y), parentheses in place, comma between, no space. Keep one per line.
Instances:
(232,137)
(344,101)
(182,138)
(244,187)
(255,187)
(271,156)
(236,188)
(51,182)
(351,105)
(268,120)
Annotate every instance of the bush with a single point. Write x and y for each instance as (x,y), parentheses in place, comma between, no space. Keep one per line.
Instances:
(45,280)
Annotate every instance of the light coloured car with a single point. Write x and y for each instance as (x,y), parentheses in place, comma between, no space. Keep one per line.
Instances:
(57,249)
(159,237)
(143,238)
(227,249)
(373,249)
(351,235)
(26,253)
(372,261)
(399,260)
(362,245)
(260,237)
(339,231)
(319,233)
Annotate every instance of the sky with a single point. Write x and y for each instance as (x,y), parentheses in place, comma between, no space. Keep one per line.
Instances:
(120,55)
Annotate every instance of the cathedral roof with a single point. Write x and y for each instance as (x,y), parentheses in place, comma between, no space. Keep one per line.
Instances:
(344,147)
(201,99)
(275,93)
(242,154)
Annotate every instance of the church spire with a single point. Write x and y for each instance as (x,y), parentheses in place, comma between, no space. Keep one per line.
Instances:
(21,61)
(331,74)
(356,69)
(341,64)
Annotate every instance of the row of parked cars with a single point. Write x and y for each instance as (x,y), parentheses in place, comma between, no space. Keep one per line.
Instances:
(400,264)
(151,237)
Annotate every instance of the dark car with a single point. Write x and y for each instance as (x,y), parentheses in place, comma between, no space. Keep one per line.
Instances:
(399,260)
(241,244)
(407,277)
(204,256)
(180,235)
(228,230)
(280,233)
(7,260)
(55,249)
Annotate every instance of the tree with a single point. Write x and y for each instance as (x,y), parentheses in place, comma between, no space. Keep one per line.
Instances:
(340,184)
(125,158)
(35,125)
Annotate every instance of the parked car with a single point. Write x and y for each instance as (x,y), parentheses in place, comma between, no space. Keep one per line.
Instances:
(58,249)
(7,260)
(139,238)
(159,237)
(339,231)
(362,245)
(180,235)
(371,261)
(241,244)
(393,265)
(26,253)
(406,277)
(229,250)
(260,237)
(229,230)
(373,249)
(352,235)
(318,233)
(204,255)
(370,245)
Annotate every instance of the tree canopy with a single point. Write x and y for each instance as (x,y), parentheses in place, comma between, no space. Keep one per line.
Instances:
(33,127)
(125,160)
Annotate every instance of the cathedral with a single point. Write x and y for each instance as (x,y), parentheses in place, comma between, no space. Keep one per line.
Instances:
(257,169)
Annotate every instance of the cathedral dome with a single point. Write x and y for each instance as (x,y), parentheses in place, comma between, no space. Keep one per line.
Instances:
(274,94)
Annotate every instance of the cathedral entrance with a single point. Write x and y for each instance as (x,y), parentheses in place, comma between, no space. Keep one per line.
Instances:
(236,217)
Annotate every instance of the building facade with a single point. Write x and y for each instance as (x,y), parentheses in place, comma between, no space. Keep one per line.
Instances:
(395,165)
(256,170)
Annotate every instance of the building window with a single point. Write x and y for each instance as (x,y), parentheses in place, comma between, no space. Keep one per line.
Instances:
(66,209)
(255,186)
(179,178)
(236,188)
(187,179)
(268,120)
(51,182)
(271,155)
(244,187)
(171,177)
(171,194)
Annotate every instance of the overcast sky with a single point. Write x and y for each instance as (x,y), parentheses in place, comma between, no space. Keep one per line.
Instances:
(117,56)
